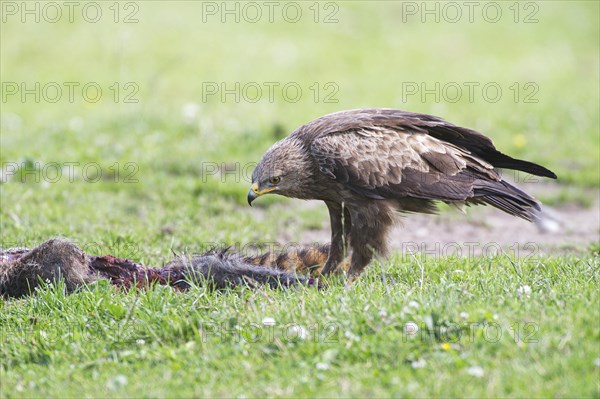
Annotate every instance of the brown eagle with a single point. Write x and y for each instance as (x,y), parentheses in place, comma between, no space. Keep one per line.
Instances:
(369,164)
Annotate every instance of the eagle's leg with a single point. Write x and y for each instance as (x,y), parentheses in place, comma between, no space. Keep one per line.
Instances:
(371,223)
(360,259)
(340,227)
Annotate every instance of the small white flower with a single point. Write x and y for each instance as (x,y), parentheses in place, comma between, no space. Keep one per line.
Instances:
(418,364)
(382,313)
(322,366)
(524,291)
(296,331)
(351,336)
(116,382)
(413,304)
(464,315)
(76,123)
(411,328)
(189,111)
(597,362)
(475,371)
(268,321)
(140,341)
(189,345)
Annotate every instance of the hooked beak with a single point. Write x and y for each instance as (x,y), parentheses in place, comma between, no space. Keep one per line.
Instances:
(255,192)
(252,194)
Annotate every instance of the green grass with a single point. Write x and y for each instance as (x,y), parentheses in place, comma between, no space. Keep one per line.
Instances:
(101,342)
(158,191)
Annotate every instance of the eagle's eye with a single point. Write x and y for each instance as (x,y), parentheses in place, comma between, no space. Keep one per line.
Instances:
(275,180)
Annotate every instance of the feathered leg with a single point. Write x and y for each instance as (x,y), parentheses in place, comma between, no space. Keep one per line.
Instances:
(340,227)
(368,234)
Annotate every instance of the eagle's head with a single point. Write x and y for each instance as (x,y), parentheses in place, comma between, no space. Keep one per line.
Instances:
(285,169)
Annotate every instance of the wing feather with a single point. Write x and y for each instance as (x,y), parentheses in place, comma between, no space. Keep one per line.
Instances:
(387,163)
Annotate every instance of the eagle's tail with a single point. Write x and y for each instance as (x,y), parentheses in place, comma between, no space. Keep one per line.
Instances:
(507,198)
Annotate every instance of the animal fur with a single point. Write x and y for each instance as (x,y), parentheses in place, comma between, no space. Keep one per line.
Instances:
(21,271)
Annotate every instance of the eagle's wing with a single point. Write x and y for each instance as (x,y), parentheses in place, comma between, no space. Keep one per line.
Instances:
(372,122)
(380,162)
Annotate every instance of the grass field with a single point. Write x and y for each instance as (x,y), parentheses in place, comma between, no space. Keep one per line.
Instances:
(159,162)
(477,337)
